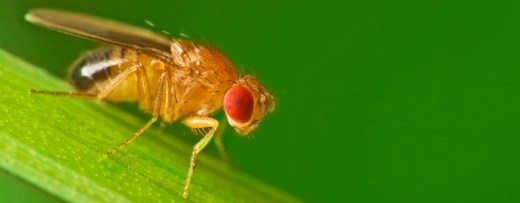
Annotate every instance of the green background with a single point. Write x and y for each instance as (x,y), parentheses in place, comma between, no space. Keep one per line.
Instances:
(377,101)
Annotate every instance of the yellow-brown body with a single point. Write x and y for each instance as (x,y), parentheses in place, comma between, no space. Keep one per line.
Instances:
(199,80)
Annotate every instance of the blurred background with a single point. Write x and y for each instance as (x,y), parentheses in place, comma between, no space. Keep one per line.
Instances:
(377,101)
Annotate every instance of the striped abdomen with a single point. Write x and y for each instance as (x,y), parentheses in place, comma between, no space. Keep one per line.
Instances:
(94,67)
(96,70)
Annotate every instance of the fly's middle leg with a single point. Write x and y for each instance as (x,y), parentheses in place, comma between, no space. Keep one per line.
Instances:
(160,95)
(143,88)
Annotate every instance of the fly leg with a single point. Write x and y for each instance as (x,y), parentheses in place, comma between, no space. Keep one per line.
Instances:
(218,139)
(160,95)
(143,88)
(198,122)
(100,95)
(144,97)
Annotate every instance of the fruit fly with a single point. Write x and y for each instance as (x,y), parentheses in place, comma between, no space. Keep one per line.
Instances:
(172,79)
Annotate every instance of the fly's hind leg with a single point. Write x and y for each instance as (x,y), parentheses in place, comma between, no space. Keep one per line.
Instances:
(144,96)
(115,82)
(160,94)
(198,122)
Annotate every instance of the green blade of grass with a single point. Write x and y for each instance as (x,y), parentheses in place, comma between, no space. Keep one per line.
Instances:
(57,144)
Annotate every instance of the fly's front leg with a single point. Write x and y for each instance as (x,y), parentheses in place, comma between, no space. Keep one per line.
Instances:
(218,139)
(198,122)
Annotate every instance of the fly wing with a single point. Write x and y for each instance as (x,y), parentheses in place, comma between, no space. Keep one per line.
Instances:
(103,30)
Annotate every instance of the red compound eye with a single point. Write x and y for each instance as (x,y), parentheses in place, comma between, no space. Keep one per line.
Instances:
(238,104)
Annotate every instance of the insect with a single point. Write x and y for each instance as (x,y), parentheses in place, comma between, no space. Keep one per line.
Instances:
(172,79)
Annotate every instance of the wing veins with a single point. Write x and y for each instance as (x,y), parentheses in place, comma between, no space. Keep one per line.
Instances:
(104,31)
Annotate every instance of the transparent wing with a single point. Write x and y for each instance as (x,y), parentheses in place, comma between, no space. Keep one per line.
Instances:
(103,30)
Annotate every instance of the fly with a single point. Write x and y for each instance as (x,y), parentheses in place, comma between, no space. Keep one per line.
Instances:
(171,79)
